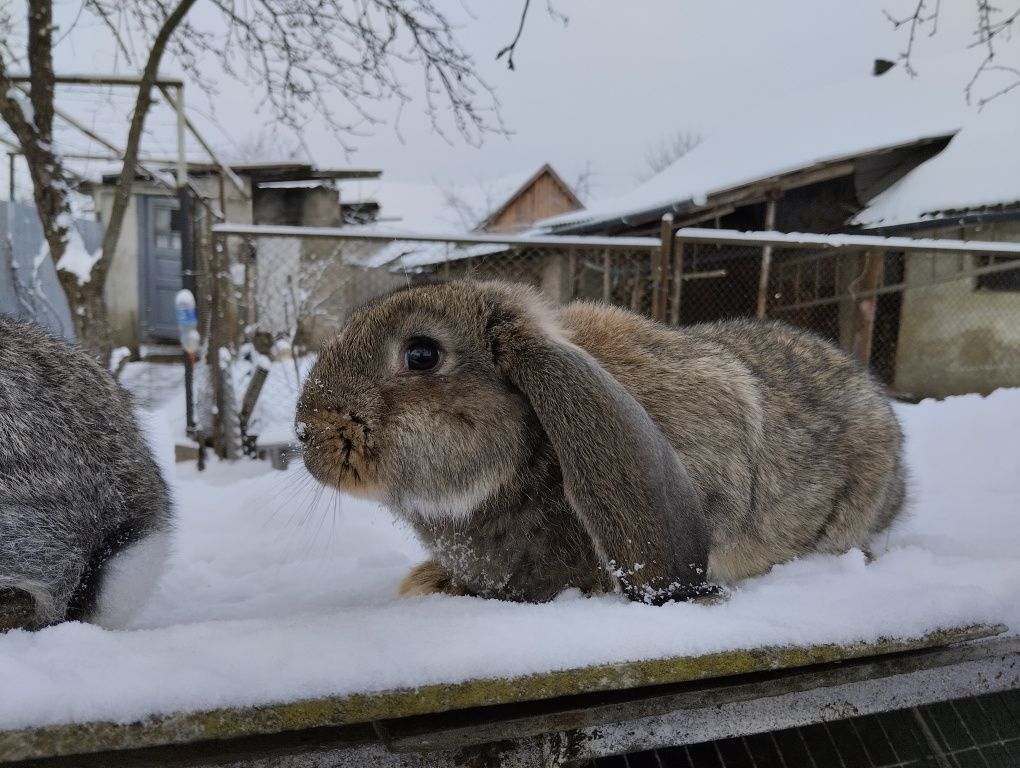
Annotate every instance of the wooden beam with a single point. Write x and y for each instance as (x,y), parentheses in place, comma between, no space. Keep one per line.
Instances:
(766,259)
(678,281)
(663,270)
(170,82)
(865,308)
(607,284)
(223,168)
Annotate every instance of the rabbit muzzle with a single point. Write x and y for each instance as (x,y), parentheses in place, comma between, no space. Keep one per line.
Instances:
(339,449)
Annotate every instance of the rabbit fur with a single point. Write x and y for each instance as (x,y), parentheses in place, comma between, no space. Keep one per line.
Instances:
(594,448)
(78,483)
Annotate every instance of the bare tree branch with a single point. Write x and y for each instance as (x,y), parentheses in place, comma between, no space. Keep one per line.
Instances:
(327,59)
(508,50)
(143,101)
(992,25)
(668,150)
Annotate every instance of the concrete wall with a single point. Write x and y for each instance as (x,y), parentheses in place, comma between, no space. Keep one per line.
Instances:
(314,206)
(956,338)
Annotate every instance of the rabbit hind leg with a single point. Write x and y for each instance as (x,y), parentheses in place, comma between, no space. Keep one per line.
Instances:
(18,609)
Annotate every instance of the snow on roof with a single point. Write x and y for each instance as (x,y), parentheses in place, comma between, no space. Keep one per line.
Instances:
(979,168)
(400,202)
(433,208)
(840,121)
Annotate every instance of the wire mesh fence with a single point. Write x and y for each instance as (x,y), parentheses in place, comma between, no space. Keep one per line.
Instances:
(928,323)
(979,731)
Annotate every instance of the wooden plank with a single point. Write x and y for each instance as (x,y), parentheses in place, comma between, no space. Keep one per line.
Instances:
(678,281)
(236,722)
(456,730)
(663,270)
(866,307)
(607,280)
(764,272)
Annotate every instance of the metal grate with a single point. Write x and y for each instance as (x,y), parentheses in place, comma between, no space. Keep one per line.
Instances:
(976,732)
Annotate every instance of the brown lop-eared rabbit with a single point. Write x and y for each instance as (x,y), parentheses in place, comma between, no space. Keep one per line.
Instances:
(535,449)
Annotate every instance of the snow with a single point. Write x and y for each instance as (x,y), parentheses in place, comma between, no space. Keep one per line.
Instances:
(979,168)
(839,121)
(76,259)
(436,208)
(277,590)
(118,358)
(841,240)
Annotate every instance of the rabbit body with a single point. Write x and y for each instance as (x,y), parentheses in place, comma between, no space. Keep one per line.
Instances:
(793,444)
(78,483)
(590,447)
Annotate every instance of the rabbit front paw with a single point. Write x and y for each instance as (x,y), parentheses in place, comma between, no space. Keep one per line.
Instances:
(429,578)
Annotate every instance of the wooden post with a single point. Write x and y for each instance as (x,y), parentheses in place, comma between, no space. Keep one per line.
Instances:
(766,258)
(571,292)
(10,178)
(864,315)
(607,284)
(660,280)
(678,283)
(215,344)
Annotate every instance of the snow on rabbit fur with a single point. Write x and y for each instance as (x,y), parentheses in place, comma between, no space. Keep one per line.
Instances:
(278,591)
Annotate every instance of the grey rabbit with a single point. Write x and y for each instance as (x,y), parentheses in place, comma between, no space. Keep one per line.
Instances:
(78,484)
(535,449)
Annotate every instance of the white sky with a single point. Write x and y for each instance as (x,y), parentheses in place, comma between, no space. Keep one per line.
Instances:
(618,78)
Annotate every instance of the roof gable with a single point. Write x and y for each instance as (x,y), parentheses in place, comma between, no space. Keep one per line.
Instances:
(544,171)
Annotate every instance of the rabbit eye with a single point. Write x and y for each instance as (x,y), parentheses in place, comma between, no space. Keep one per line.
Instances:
(422,354)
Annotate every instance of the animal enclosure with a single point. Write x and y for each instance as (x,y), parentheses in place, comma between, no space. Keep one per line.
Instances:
(931,318)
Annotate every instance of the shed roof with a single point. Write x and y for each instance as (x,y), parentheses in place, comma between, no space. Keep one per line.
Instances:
(776,141)
(259,172)
(978,170)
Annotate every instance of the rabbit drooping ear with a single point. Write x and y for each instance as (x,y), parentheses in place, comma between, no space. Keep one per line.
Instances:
(621,477)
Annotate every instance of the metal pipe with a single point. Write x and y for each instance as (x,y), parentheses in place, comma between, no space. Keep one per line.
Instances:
(711,236)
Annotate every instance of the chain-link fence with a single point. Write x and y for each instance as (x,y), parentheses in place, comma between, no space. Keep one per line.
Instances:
(928,322)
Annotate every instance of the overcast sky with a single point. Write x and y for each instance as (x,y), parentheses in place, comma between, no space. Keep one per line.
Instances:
(598,92)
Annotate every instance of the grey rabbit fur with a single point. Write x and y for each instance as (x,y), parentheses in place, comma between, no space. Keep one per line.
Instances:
(535,449)
(78,483)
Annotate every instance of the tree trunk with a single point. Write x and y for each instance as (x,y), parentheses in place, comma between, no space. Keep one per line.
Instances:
(35,135)
(88,315)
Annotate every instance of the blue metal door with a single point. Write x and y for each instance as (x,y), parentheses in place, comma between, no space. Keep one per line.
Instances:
(159,266)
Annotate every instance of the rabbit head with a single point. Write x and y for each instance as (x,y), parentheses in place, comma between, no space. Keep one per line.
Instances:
(433,398)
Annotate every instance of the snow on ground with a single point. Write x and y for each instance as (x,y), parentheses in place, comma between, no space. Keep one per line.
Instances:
(277,590)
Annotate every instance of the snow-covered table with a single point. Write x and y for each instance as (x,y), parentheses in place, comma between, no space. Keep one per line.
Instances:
(554,718)
(279,614)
